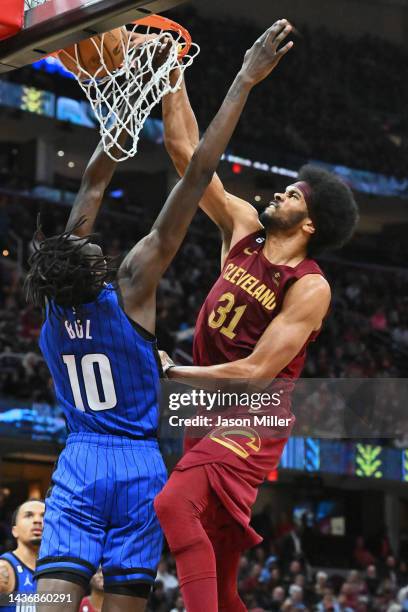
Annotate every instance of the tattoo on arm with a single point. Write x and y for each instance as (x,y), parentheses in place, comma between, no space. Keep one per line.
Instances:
(5,578)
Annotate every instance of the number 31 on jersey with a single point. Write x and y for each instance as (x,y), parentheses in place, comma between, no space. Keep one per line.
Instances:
(219,316)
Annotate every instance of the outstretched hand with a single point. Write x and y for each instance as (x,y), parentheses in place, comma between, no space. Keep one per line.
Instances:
(161,50)
(265,55)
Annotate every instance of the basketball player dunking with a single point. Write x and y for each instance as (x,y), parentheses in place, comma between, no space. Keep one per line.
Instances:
(98,342)
(267,305)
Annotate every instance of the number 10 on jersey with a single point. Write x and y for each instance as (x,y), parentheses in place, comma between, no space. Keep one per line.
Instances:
(98,381)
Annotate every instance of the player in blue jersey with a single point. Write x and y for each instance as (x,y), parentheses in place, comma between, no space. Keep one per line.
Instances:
(98,342)
(17,567)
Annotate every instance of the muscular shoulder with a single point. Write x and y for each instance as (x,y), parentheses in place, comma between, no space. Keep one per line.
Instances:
(309,297)
(7,577)
(311,287)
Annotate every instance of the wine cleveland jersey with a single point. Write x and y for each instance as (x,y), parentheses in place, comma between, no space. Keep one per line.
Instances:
(247,296)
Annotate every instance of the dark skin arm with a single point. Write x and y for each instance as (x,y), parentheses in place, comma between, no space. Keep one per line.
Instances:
(100,168)
(234,217)
(7,578)
(304,308)
(146,263)
(96,178)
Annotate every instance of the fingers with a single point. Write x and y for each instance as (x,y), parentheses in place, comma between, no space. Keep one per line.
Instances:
(277,33)
(285,49)
(283,34)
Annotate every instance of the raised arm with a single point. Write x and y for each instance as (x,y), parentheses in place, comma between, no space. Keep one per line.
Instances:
(96,178)
(146,263)
(235,217)
(304,308)
(100,168)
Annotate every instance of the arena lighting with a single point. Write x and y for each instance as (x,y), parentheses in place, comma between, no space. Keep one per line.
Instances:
(61,153)
(6,253)
(116,194)
(71,164)
(236,168)
(69,110)
(262,166)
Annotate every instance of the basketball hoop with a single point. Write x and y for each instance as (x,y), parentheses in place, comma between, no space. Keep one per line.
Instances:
(29,4)
(123,97)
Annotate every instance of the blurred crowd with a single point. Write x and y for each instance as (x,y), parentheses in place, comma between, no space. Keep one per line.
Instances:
(327,100)
(293,569)
(267,585)
(334,99)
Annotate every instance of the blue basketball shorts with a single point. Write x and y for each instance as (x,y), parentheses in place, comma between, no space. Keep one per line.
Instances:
(100,510)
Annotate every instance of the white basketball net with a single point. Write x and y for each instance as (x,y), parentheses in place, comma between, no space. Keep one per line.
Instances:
(123,99)
(29,4)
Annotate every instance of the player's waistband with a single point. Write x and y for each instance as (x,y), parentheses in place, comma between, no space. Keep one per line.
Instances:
(110,441)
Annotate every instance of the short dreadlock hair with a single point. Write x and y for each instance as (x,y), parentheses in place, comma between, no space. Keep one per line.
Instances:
(61,270)
(332,208)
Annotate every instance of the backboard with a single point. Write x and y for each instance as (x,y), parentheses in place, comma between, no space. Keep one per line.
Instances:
(56,24)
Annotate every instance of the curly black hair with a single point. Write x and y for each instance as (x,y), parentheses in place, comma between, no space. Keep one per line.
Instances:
(62,272)
(332,208)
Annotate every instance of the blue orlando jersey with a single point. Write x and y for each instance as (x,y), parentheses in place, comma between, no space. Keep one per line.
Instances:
(25,584)
(105,368)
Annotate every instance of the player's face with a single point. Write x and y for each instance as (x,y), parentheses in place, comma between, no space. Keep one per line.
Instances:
(92,250)
(97,581)
(286,211)
(29,523)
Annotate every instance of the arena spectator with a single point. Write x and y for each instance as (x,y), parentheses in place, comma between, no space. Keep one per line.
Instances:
(94,601)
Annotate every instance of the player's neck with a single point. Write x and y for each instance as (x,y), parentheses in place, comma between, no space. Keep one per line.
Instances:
(96,599)
(27,555)
(284,250)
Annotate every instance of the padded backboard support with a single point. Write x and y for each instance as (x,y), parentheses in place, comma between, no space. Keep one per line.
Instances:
(60,23)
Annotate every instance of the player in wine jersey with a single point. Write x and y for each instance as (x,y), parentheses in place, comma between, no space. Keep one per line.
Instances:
(98,342)
(17,567)
(267,305)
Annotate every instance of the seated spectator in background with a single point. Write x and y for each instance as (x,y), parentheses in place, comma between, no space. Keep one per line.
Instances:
(94,601)
(294,569)
(390,570)
(291,548)
(330,604)
(349,595)
(321,583)
(403,573)
(276,577)
(385,596)
(159,599)
(295,599)
(168,580)
(251,603)
(361,555)
(379,320)
(403,598)
(371,579)
(284,526)
(179,606)
(251,582)
(278,597)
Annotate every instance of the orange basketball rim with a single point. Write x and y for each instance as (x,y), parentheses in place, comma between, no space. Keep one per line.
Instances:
(163,24)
